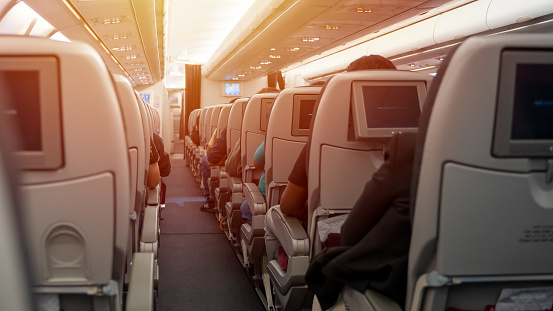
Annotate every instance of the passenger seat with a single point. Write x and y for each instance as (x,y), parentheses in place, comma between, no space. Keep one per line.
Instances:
(483,212)
(75,177)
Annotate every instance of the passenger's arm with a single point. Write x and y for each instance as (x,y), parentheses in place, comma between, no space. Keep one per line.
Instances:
(294,196)
(218,154)
(293,200)
(153,175)
(259,157)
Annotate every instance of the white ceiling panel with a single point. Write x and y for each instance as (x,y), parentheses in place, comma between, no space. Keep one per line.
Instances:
(197,28)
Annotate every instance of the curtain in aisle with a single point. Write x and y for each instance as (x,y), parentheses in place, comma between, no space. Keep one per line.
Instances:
(192,94)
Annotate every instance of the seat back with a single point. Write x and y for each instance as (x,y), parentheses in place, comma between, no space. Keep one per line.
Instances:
(344,154)
(146,136)
(215,119)
(287,133)
(201,127)
(15,291)
(234,125)
(223,118)
(76,181)
(254,126)
(484,203)
(207,125)
(135,139)
(153,116)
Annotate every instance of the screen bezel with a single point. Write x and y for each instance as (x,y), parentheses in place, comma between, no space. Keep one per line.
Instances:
(360,128)
(264,118)
(47,66)
(231,95)
(296,108)
(503,145)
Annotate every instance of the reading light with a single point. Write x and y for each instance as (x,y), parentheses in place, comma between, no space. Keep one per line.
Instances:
(274,56)
(361,10)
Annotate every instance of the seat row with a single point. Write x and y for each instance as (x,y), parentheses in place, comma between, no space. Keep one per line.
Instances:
(83,143)
(482,188)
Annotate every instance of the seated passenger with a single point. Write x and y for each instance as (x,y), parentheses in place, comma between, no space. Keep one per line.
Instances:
(259,163)
(154,175)
(164,165)
(375,236)
(294,198)
(216,156)
(164,159)
(195,135)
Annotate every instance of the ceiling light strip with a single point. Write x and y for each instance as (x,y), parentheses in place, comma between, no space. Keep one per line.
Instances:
(396,27)
(423,68)
(259,34)
(95,36)
(73,10)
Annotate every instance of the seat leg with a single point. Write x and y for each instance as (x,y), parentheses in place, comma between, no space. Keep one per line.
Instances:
(267,283)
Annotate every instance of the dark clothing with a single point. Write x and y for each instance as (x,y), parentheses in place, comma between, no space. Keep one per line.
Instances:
(298,175)
(219,151)
(376,235)
(164,159)
(195,136)
(154,155)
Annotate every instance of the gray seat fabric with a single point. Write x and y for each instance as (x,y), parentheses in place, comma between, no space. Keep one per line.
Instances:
(15,290)
(477,215)
(233,197)
(339,167)
(76,215)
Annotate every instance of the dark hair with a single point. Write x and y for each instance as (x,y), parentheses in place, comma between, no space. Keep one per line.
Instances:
(233,100)
(370,62)
(268,90)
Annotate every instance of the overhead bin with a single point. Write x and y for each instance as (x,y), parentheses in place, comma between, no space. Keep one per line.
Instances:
(507,12)
(255,15)
(251,38)
(411,38)
(355,52)
(462,22)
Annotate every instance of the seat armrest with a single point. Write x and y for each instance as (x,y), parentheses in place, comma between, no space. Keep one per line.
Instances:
(150,226)
(291,234)
(223,185)
(248,173)
(215,172)
(235,184)
(154,195)
(140,296)
(255,199)
(275,192)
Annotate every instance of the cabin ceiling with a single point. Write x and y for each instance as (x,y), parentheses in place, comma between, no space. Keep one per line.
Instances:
(131,30)
(300,29)
(280,33)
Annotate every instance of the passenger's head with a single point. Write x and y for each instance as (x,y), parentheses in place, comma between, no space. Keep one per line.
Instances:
(370,62)
(268,90)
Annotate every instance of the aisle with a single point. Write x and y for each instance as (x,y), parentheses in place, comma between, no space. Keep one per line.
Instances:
(198,268)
